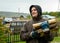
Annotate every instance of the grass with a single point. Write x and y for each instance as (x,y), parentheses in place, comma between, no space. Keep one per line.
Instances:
(21,42)
(56,40)
(17,37)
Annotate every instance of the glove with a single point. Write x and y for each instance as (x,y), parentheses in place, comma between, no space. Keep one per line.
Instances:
(34,34)
(45,26)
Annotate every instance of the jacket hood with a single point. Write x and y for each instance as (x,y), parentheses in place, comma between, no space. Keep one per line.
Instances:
(39,10)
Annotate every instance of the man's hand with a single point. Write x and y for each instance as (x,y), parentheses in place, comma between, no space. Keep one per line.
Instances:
(34,34)
(45,26)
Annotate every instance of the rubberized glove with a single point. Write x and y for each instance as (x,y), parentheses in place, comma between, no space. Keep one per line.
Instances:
(34,34)
(45,26)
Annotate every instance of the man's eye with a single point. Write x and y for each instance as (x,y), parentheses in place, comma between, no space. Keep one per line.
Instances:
(34,9)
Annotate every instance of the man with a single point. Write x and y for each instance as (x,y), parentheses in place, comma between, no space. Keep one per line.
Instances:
(26,33)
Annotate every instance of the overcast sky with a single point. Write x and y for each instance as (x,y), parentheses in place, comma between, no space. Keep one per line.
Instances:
(23,5)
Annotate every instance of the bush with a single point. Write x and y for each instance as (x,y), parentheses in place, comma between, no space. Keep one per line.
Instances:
(3,35)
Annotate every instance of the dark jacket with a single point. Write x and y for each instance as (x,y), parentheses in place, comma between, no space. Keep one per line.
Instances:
(25,32)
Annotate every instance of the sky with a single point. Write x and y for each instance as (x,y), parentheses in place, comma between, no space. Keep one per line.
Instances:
(23,5)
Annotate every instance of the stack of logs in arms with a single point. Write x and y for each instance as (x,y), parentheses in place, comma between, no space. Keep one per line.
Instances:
(52,26)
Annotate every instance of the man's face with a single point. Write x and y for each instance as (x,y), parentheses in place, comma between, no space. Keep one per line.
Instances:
(34,12)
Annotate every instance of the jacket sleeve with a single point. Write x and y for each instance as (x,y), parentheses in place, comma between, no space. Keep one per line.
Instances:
(24,34)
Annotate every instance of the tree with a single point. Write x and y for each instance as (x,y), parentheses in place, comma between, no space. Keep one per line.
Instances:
(45,13)
(54,14)
(28,17)
(21,17)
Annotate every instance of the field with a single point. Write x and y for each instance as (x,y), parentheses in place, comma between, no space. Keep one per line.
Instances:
(56,39)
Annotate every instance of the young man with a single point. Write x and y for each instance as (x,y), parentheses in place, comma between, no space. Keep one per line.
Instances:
(26,33)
